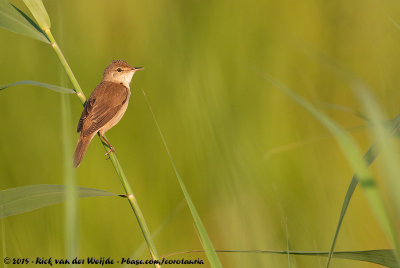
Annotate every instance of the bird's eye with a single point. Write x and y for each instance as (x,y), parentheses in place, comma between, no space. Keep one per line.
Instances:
(119,70)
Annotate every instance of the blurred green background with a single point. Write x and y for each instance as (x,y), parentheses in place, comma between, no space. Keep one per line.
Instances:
(262,172)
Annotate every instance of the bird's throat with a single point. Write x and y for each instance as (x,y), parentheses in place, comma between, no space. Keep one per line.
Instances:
(126,80)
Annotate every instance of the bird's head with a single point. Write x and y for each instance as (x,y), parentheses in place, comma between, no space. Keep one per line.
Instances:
(118,71)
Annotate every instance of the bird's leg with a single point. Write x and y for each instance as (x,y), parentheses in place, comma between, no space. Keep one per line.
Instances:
(109,145)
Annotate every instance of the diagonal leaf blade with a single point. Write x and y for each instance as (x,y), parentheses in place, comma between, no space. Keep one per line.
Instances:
(39,84)
(369,158)
(19,200)
(389,153)
(354,157)
(360,88)
(14,20)
(204,238)
(39,12)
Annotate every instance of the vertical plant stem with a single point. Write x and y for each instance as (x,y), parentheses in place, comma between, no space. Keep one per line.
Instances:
(71,236)
(71,193)
(128,189)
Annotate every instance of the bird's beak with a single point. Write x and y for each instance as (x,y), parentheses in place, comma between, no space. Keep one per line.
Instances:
(137,68)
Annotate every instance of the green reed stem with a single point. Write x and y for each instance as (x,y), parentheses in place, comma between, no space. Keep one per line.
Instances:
(114,160)
(71,191)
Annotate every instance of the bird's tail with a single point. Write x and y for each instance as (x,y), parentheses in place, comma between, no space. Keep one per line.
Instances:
(80,150)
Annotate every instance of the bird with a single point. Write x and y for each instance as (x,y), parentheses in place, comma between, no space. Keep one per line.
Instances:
(105,106)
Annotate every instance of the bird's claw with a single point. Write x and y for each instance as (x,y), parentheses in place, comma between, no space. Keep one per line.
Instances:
(109,151)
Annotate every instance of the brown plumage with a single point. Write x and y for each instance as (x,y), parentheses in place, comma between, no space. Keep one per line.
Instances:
(105,107)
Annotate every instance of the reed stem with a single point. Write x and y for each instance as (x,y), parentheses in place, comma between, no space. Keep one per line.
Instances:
(114,160)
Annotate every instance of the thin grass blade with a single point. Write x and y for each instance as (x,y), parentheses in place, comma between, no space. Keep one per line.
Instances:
(19,200)
(354,157)
(390,159)
(39,84)
(356,84)
(204,238)
(14,20)
(369,157)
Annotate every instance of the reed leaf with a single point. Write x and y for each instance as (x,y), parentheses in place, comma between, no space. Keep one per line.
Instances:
(204,238)
(38,11)
(355,159)
(14,20)
(19,200)
(39,84)
(391,126)
(390,159)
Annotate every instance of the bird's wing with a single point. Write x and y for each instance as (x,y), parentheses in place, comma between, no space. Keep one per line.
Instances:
(103,104)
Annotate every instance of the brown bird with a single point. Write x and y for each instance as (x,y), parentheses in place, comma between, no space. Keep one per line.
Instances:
(105,107)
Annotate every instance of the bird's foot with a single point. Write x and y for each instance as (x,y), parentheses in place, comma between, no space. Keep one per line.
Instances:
(109,151)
